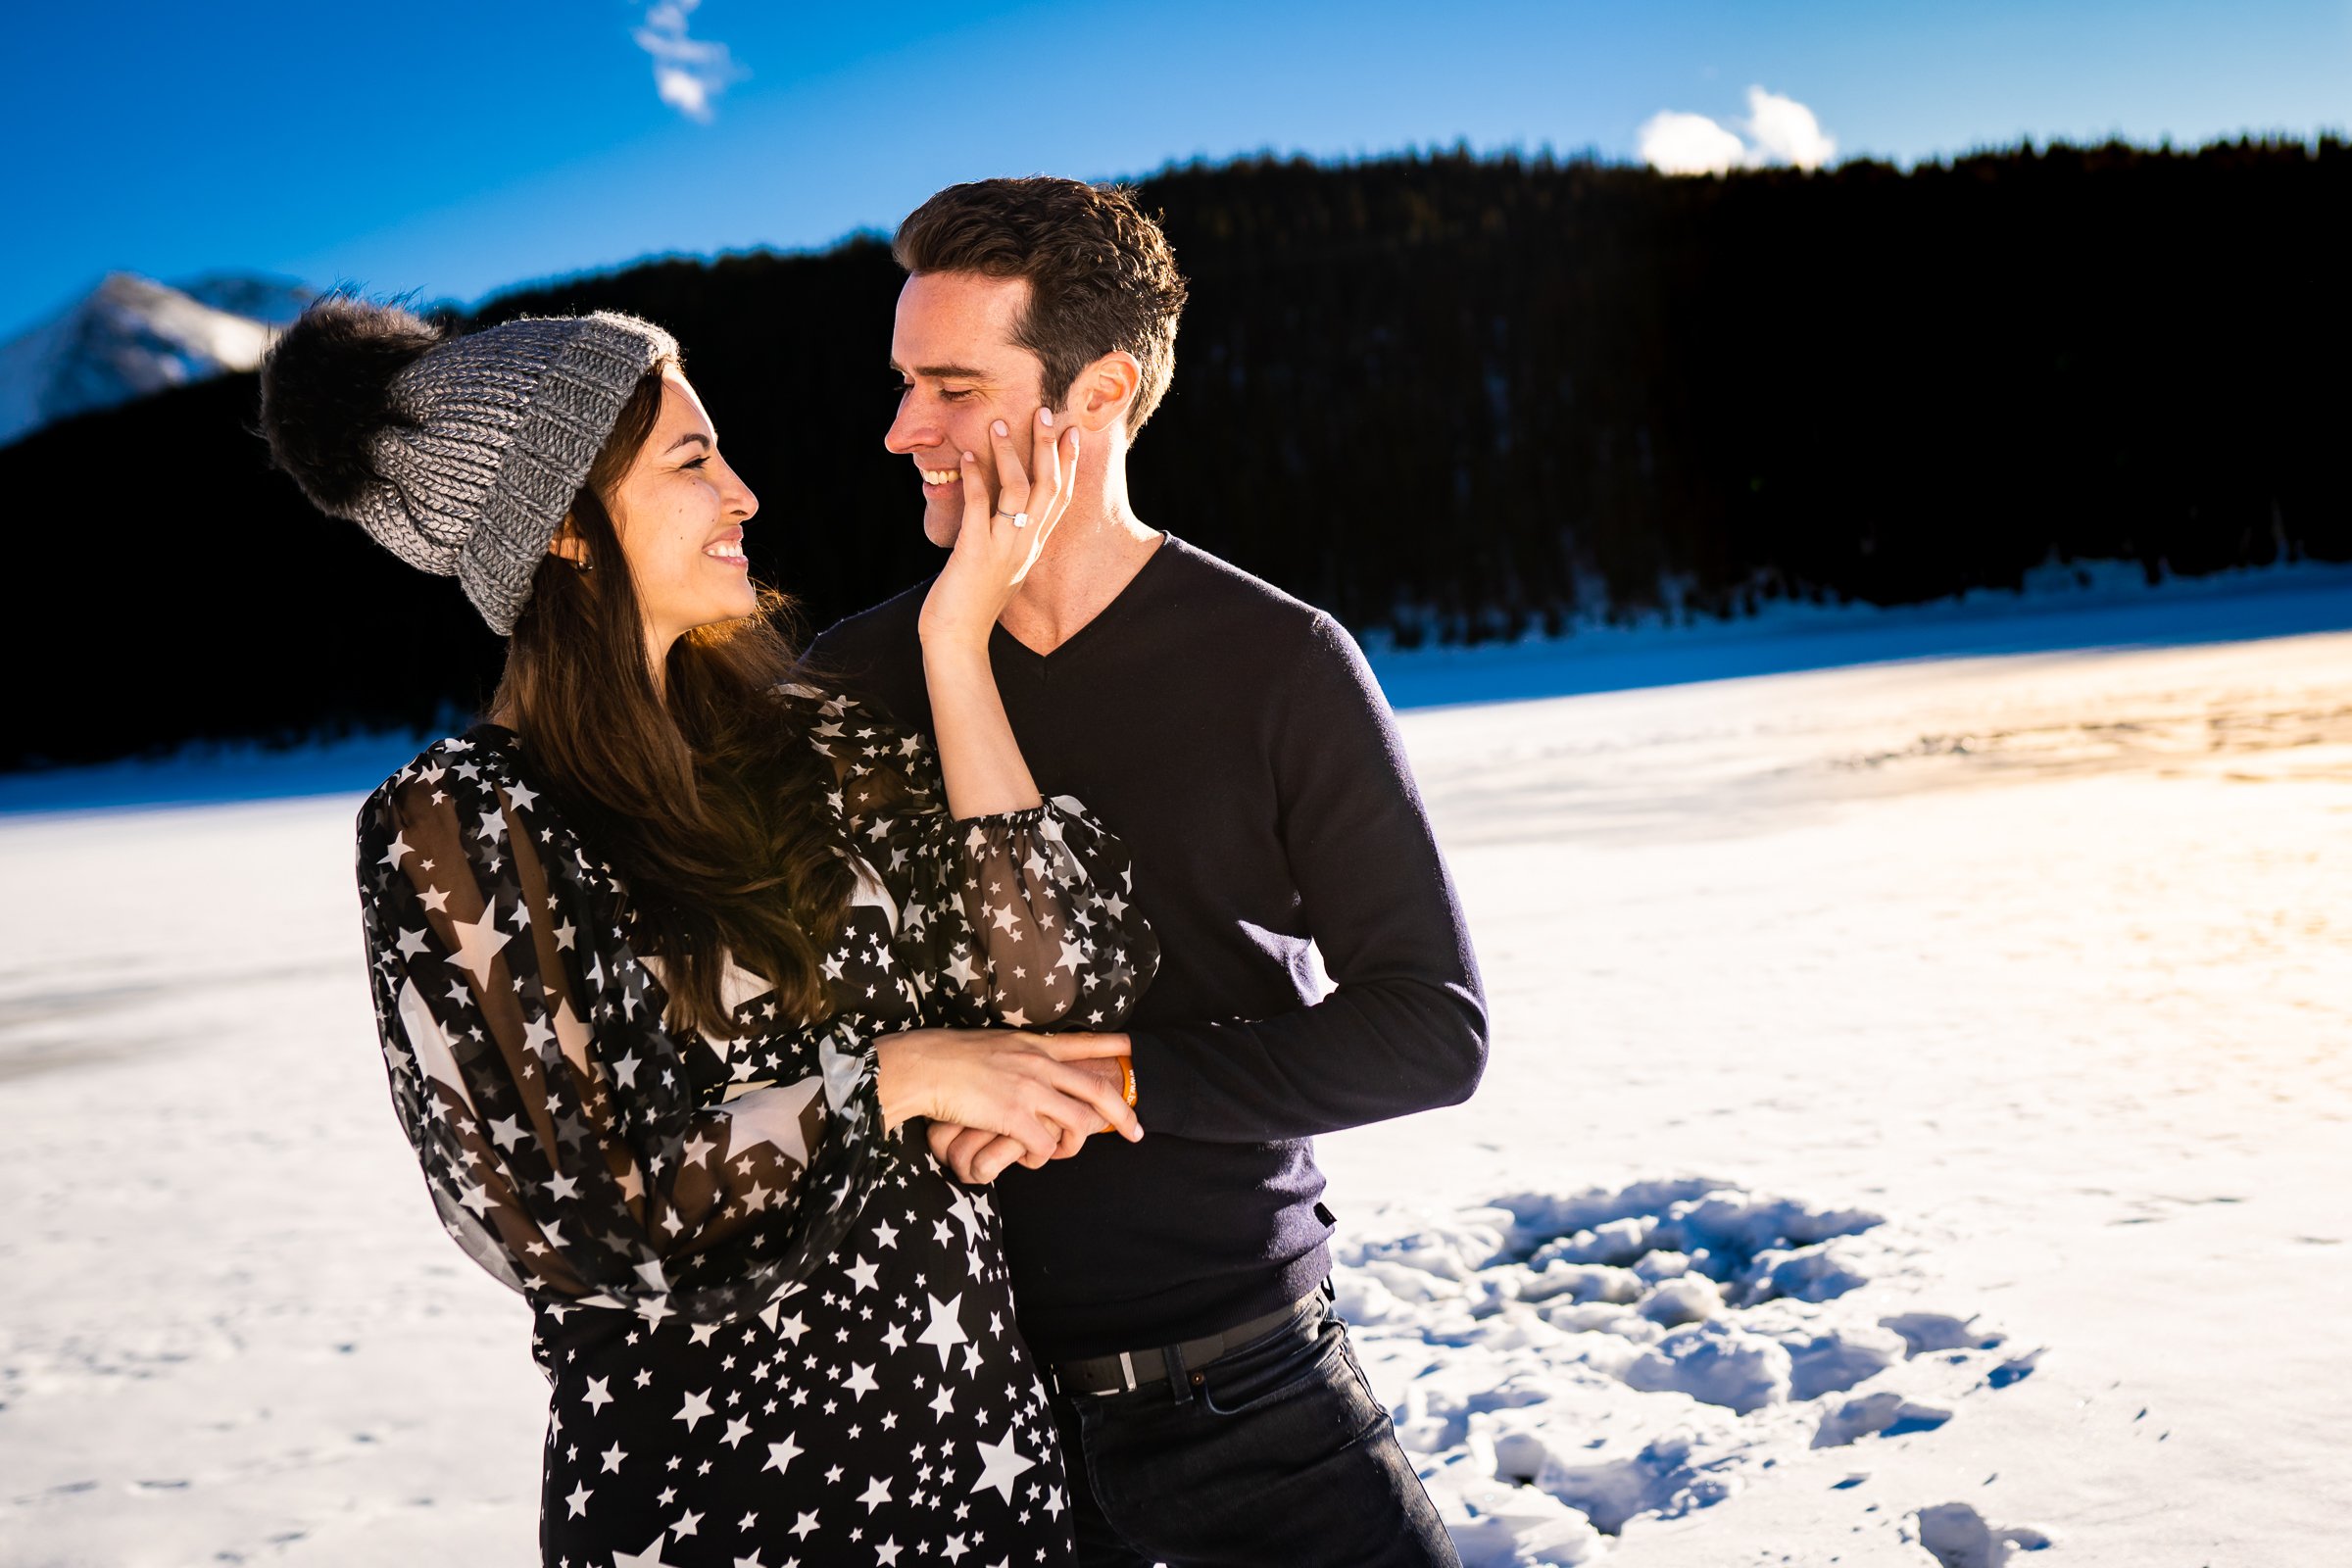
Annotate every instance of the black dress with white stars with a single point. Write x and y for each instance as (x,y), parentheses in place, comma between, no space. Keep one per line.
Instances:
(776,1334)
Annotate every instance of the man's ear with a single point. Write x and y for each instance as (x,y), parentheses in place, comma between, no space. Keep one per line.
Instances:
(1105,389)
(569,544)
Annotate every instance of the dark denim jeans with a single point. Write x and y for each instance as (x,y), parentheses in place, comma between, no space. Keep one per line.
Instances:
(1279,1456)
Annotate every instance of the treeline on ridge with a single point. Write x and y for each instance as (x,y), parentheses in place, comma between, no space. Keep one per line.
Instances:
(1444,396)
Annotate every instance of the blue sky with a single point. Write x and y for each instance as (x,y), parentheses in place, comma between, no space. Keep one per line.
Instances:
(451,149)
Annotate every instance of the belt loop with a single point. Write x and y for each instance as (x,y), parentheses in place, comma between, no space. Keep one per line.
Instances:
(1180,1385)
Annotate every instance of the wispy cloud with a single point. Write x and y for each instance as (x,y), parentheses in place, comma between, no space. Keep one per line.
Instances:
(688,72)
(1780,130)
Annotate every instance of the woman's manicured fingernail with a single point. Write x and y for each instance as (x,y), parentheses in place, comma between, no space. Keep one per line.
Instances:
(1045,416)
(998,428)
(968,458)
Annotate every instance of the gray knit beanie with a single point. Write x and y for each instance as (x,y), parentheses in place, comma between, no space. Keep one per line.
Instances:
(464,459)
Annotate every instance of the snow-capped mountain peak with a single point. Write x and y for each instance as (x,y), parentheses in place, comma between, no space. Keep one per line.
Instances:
(255,295)
(131,336)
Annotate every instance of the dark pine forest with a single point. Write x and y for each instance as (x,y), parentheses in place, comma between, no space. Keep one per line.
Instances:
(1447,397)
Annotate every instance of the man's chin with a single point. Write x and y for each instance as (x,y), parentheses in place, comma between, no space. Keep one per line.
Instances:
(942,527)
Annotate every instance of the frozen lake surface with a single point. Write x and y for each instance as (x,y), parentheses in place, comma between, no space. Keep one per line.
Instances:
(1918,1131)
(2044,959)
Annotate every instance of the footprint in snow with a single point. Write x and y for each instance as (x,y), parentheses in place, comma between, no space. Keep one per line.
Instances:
(1564,1364)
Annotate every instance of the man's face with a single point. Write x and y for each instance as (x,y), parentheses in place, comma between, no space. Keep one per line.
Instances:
(961,372)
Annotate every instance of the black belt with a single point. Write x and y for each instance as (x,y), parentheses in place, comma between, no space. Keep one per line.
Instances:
(1130,1370)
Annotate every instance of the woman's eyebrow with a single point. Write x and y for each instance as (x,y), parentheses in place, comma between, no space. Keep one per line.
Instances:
(691,435)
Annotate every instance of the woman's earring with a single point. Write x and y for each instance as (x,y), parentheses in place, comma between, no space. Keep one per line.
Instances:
(569,544)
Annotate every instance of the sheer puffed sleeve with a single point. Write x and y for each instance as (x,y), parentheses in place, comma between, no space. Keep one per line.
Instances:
(1022,919)
(553,1113)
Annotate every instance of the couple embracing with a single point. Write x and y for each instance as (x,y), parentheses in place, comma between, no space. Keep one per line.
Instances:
(904,1164)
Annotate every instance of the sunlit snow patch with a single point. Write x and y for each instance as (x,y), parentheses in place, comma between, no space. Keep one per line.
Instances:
(1559,1365)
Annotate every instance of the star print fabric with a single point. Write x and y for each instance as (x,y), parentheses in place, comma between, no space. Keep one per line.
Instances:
(1019,919)
(720,1228)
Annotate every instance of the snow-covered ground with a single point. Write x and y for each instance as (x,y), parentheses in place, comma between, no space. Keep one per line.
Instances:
(2044,959)
(1921,1116)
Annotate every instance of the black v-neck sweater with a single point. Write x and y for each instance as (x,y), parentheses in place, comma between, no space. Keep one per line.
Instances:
(1234,740)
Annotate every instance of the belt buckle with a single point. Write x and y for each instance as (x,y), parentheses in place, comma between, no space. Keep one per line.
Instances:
(1128,1382)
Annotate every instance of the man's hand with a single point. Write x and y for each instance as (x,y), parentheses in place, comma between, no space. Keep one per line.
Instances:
(978,1157)
(1038,1092)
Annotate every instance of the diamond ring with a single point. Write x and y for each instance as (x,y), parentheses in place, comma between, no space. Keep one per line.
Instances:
(1020,519)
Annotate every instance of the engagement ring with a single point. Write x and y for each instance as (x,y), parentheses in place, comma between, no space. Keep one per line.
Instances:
(1020,519)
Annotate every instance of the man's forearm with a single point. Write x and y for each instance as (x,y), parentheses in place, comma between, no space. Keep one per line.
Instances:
(1365,1053)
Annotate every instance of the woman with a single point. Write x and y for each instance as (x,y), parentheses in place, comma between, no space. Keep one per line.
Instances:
(665,952)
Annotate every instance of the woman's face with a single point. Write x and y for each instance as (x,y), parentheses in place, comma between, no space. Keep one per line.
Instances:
(679,512)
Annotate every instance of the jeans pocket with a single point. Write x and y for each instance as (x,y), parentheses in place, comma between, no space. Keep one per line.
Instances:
(1364,1380)
(1272,1369)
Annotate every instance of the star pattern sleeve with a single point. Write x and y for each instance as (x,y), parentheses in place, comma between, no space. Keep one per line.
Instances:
(1022,919)
(560,1131)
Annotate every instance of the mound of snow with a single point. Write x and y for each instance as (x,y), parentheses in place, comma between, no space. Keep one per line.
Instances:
(1956,1535)
(1560,1364)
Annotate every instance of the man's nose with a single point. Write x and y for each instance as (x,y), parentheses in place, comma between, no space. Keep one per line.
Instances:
(912,430)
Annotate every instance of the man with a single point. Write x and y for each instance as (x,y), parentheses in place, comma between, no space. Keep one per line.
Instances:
(1209,1406)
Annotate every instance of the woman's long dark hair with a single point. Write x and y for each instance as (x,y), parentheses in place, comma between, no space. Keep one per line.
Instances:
(704,794)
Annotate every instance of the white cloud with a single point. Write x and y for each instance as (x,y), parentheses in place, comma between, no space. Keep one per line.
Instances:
(1689,145)
(1786,131)
(1780,130)
(688,72)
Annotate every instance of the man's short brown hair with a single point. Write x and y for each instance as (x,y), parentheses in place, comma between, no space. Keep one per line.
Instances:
(1101,274)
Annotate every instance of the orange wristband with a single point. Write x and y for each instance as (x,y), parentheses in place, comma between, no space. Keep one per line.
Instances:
(1126,1088)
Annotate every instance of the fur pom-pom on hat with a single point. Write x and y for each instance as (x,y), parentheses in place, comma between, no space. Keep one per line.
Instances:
(326,393)
(460,455)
